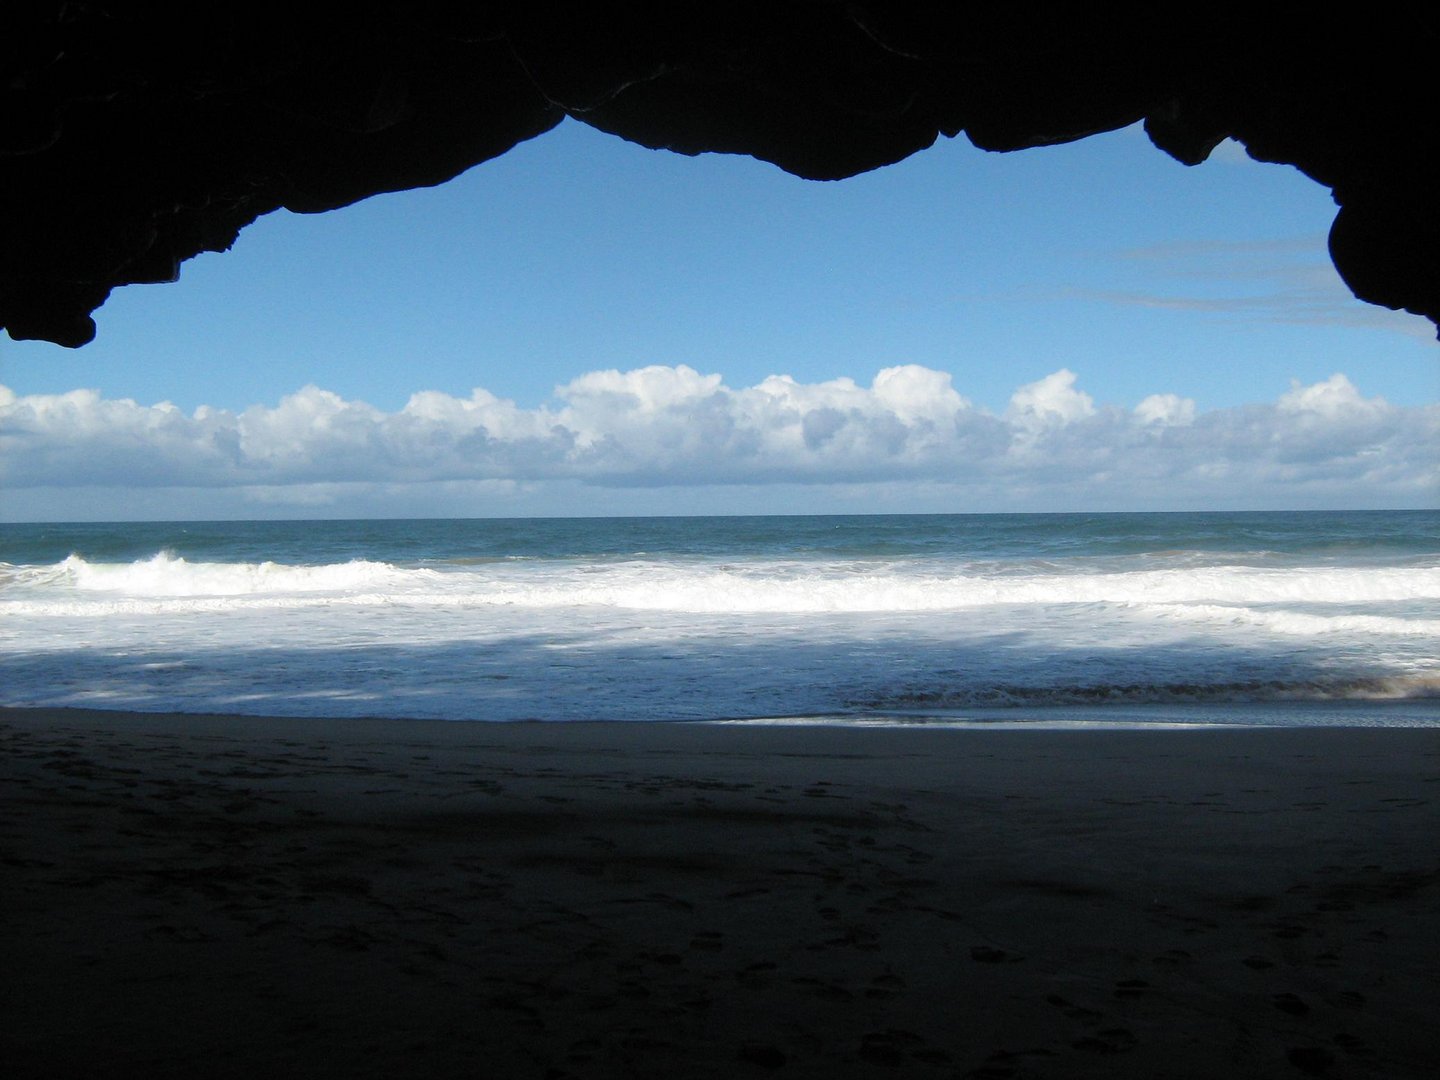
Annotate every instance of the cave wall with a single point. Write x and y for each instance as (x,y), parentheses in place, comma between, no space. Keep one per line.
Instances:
(135,136)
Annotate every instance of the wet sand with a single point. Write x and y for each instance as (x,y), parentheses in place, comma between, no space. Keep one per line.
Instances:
(241,897)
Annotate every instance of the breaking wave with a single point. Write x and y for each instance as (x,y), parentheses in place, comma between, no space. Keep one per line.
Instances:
(166,582)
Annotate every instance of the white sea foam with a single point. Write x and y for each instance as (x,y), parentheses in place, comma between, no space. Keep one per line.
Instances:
(1304,624)
(167,583)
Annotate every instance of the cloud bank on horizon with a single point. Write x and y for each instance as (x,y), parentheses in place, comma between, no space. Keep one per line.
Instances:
(669,427)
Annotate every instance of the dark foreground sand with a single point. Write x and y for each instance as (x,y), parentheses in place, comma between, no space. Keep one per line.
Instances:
(230,897)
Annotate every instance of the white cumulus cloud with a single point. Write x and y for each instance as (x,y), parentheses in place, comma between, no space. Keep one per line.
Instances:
(1334,397)
(1051,400)
(1166,410)
(673,427)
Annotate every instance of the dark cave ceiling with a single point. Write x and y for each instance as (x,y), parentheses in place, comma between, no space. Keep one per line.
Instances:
(135,136)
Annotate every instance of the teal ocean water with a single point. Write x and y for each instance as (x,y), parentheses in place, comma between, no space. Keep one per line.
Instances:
(1271,618)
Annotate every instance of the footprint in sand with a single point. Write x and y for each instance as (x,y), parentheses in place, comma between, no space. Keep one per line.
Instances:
(1353,1044)
(1172,958)
(1313,1060)
(1131,988)
(766,1056)
(884,986)
(823,989)
(889,1047)
(1107,1041)
(1073,1011)
(708,941)
(988,954)
(1289,1003)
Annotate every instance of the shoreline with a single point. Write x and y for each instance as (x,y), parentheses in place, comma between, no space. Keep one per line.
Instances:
(232,895)
(1389,713)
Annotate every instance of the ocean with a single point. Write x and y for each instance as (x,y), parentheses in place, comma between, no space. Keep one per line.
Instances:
(1033,619)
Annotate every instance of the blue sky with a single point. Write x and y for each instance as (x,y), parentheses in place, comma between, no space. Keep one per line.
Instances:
(1100,289)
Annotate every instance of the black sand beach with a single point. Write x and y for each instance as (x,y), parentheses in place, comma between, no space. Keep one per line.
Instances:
(238,897)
